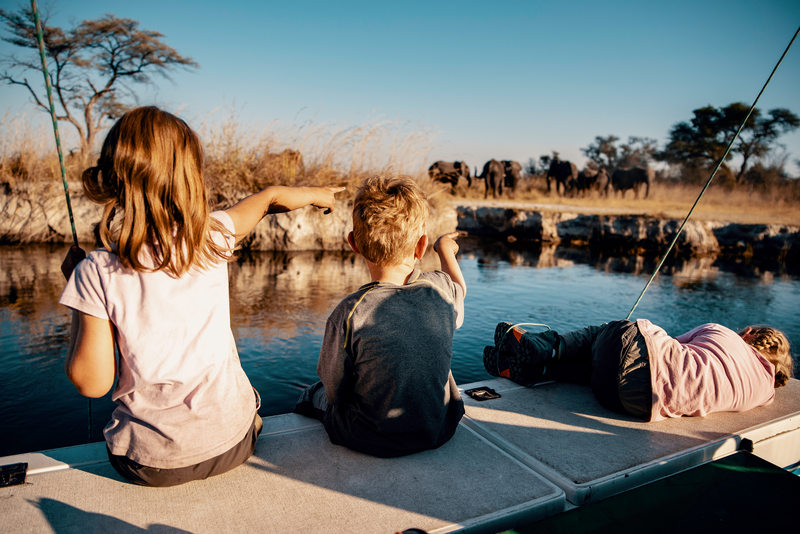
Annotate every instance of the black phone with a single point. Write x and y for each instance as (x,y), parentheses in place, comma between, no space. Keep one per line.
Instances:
(13,474)
(482,393)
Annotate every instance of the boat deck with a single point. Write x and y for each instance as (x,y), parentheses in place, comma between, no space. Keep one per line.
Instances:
(532,453)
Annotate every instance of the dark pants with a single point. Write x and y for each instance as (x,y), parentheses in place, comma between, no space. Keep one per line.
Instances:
(613,359)
(313,402)
(162,478)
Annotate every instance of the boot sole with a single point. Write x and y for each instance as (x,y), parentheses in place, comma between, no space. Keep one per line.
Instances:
(525,367)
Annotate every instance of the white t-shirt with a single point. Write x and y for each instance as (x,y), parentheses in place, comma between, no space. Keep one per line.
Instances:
(183,396)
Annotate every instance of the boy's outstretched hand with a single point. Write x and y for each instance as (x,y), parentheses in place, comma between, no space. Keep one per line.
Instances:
(446,247)
(446,244)
(74,256)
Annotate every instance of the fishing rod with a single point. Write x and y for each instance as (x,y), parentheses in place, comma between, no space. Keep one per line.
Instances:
(719,164)
(40,40)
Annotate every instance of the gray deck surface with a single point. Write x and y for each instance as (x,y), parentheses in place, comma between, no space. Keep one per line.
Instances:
(560,445)
(297,481)
(591,452)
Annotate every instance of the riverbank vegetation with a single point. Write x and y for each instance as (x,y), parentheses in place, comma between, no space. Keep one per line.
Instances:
(241,158)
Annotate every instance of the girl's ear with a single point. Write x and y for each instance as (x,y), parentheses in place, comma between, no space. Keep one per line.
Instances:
(746,334)
(422,246)
(351,240)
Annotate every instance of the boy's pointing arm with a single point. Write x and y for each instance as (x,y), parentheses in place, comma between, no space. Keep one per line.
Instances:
(446,247)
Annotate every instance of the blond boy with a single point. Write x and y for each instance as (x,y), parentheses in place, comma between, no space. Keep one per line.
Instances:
(386,387)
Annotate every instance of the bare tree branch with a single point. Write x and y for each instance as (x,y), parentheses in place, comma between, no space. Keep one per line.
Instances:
(88,63)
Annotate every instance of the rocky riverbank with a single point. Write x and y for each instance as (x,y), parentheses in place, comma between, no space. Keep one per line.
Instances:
(630,232)
(41,217)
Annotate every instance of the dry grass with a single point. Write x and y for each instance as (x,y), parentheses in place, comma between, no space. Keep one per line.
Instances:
(28,155)
(242,159)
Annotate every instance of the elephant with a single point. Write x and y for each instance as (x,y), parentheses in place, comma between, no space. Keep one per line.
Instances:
(449,172)
(513,174)
(624,179)
(494,174)
(565,173)
(593,179)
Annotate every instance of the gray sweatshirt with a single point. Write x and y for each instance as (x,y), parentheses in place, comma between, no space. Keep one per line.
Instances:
(385,365)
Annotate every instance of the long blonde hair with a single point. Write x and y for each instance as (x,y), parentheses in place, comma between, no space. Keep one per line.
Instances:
(151,169)
(773,345)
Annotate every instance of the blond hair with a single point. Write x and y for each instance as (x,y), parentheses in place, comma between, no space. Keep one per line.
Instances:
(151,169)
(389,216)
(773,345)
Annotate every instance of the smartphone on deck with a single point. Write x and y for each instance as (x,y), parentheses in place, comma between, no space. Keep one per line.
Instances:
(13,474)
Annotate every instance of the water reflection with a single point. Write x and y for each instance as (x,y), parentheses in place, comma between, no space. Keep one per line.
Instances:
(543,255)
(280,301)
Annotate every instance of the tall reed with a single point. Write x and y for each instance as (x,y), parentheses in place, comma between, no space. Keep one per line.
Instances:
(27,153)
(242,158)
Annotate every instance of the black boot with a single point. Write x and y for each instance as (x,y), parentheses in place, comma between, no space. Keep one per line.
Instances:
(519,355)
(527,347)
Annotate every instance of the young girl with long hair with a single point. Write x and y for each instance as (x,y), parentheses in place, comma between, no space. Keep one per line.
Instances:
(158,291)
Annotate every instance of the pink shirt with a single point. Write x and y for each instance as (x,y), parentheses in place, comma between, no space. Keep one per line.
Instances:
(708,369)
(182,394)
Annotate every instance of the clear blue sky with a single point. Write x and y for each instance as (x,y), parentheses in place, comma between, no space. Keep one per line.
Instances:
(503,79)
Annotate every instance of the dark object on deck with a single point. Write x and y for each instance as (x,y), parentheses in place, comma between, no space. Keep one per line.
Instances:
(738,493)
(482,393)
(13,474)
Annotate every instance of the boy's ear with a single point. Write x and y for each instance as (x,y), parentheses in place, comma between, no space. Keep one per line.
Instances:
(351,240)
(422,246)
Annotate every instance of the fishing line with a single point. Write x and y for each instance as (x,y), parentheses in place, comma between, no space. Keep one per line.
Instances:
(40,39)
(719,164)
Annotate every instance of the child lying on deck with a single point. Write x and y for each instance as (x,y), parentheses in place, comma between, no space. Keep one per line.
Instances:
(636,368)
(386,387)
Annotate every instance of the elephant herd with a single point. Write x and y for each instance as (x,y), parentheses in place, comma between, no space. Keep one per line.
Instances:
(568,181)
(496,174)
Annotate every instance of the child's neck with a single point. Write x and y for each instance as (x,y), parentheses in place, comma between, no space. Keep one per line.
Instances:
(392,274)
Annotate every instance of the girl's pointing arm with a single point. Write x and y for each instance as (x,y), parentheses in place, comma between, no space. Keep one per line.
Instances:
(278,199)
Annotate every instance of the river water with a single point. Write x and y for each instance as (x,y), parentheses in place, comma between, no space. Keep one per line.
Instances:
(280,301)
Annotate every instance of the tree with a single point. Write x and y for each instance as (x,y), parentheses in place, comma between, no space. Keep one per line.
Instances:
(530,167)
(544,162)
(603,152)
(637,152)
(89,65)
(702,141)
